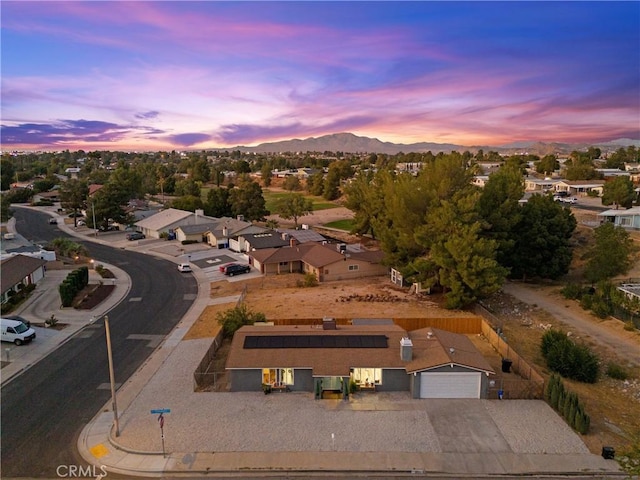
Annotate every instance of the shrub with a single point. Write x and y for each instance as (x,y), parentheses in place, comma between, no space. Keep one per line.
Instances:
(572,291)
(568,405)
(233,319)
(617,372)
(569,359)
(188,242)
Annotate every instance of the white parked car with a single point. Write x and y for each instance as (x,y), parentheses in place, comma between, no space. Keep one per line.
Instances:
(184,267)
(570,200)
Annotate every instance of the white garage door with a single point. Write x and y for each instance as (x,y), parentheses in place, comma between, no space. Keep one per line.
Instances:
(450,385)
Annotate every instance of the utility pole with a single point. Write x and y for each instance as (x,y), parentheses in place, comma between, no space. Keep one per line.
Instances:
(111,376)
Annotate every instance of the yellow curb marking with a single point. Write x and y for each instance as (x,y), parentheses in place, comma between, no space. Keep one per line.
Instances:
(99,450)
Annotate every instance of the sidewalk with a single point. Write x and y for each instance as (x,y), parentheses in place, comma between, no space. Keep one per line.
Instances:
(165,381)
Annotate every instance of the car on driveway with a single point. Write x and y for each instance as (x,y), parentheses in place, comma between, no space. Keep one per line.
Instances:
(184,267)
(236,269)
(135,236)
(223,268)
(53,221)
(570,200)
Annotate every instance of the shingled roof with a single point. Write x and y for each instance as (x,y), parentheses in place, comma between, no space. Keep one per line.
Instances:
(14,269)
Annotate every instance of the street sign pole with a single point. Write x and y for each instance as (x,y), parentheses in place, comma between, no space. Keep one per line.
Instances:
(161,412)
(112,376)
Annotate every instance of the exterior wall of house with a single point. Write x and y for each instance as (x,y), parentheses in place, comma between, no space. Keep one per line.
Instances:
(251,380)
(627,221)
(415,380)
(181,236)
(245,380)
(394,380)
(275,269)
(350,268)
(236,244)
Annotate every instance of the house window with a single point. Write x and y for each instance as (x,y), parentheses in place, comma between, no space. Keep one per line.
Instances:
(283,264)
(367,376)
(353,268)
(625,221)
(277,376)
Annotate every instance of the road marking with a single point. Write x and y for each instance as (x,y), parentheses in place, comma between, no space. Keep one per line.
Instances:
(107,386)
(135,299)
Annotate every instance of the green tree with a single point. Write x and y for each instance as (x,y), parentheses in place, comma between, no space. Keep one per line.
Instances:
(265,172)
(619,192)
(7,174)
(73,196)
(247,200)
(363,196)
(217,204)
(547,165)
(294,206)
(542,248)
(315,184)
(499,206)
(188,203)
(611,254)
(331,189)
(272,224)
(466,264)
(109,203)
(187,186)
(292,183)
(5,213)
(233,319)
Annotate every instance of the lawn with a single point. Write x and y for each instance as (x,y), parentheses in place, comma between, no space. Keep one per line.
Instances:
(346,224)
(272,199)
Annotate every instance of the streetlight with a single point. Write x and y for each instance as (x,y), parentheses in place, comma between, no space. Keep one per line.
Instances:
(93,209)
(111,376)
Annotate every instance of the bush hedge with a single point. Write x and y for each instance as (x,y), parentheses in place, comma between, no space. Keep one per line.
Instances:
(72,284)
(567,404)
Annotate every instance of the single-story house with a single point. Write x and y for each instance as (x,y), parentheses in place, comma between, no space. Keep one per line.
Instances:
(539,184)
(480,180)
(326,261)
(51,196)
(18,271)
(257,241)
(197,232)
(580,187)
(226,228)
(429,363)
(166,221)
(302,236)
(626,218)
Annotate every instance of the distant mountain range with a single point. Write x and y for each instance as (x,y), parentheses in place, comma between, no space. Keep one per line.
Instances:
(350,143)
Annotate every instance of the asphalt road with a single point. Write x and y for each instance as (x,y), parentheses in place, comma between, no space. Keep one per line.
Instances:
(44,410)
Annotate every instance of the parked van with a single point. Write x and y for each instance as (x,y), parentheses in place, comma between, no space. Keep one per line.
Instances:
(16,331)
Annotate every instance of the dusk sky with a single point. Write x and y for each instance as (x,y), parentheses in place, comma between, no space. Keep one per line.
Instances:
(195,75)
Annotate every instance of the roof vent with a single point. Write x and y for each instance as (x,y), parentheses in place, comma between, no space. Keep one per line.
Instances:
(406,349)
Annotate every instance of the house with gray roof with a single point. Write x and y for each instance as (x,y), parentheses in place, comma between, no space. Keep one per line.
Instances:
(627,218)
(226,228)
(257,241)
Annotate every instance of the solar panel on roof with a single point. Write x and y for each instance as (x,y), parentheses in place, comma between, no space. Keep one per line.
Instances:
(315,341)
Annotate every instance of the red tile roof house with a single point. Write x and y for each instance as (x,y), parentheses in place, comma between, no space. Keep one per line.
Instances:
(326,262)
(429,363)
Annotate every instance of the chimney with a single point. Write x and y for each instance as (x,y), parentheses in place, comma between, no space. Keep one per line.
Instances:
(406,349)
(329,323)
(240,218)
(199,213)
(293,242)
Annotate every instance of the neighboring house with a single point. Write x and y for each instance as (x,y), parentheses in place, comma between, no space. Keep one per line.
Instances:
(197,232)
(169,220)
(326,262)
(539,185)
(609,173)
(580,187)
(302,236)
(429,363)
(18,271)
(257,241)
(225,228)
(52,196)
(33,251)
(627,218)
(480,180)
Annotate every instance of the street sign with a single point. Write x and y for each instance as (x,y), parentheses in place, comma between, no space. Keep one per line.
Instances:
(161,410)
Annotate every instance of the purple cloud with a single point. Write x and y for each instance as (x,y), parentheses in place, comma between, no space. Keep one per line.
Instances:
(147,115)
(188,139)
(69,132)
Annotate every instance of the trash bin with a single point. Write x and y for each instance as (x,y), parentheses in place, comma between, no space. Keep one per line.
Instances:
(608,453)
(506,365)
